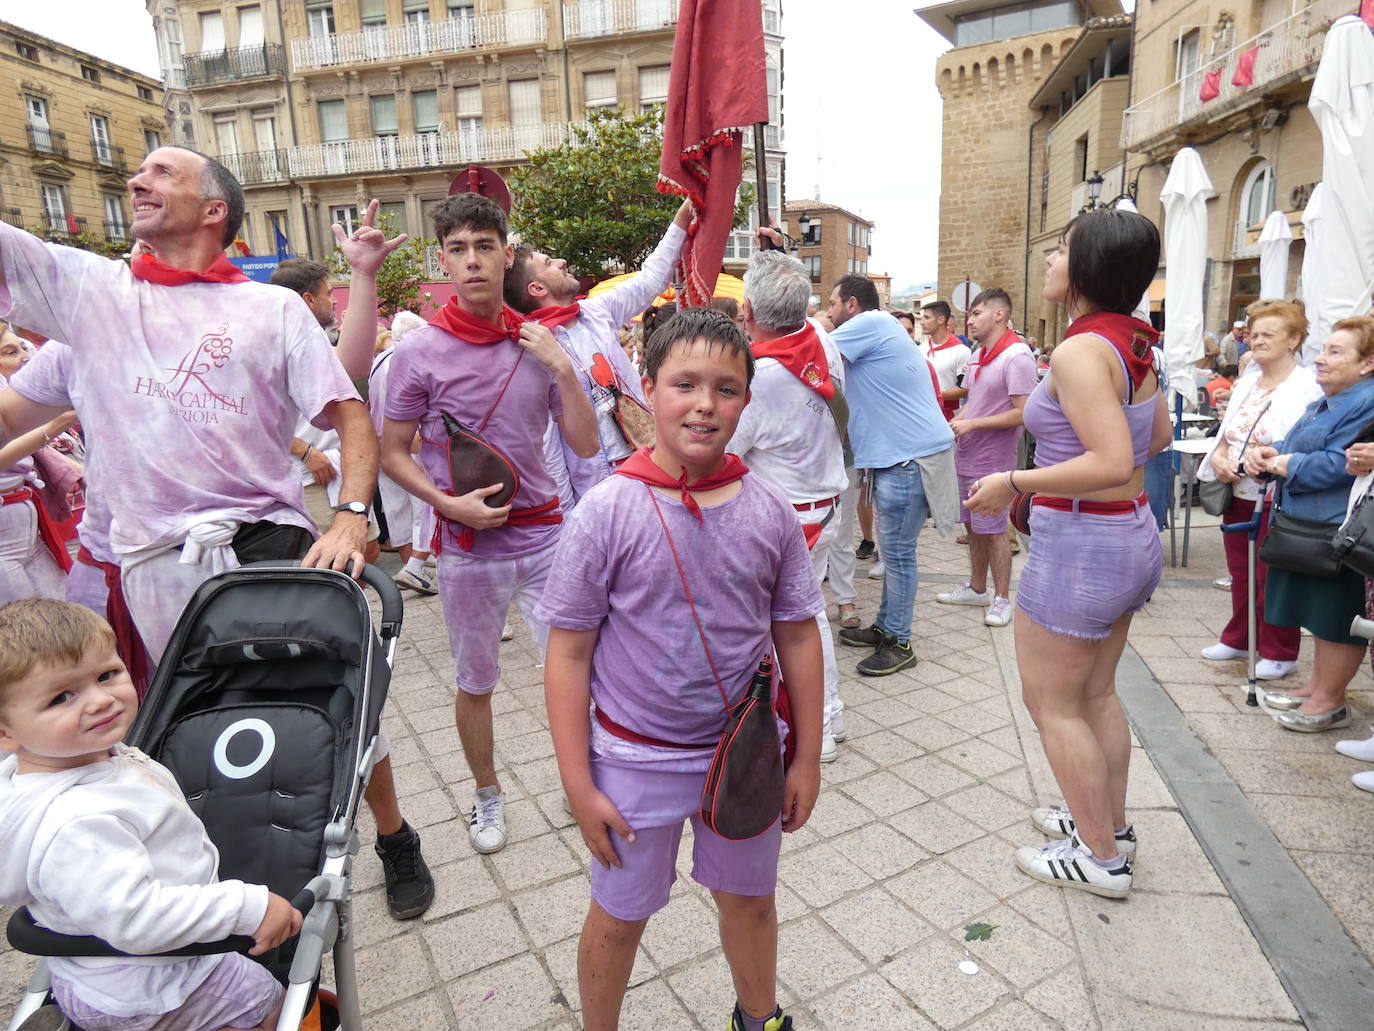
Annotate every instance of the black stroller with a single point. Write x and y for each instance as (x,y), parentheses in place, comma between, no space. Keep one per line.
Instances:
(266,707)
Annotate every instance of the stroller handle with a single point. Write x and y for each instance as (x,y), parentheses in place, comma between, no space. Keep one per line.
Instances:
(26,936)
(393,607)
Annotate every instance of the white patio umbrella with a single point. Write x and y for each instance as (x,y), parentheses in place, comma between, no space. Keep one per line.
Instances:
(1142,310)
(1273,246)
(1342,105)
(1185,257)
(1313,221)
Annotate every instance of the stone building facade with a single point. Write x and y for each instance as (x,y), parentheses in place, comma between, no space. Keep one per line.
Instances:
(73,127)
(834,243)
(320,105)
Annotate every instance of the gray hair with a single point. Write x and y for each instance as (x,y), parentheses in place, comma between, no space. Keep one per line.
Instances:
(403,323)
(778,290)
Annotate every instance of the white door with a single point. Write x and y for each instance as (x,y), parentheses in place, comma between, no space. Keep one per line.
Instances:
(1189,75)
(265,139)
(100,140)
(38,123)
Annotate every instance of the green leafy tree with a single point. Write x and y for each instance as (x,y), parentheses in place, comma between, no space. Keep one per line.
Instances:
(401,279)
(84,241)
(593,200)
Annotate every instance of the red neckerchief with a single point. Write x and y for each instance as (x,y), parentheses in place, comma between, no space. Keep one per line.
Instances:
(1009,337)
(467,326)
(148,268)
(802,355)
(1133,339)
(640,466)
(950,341)
(555,315)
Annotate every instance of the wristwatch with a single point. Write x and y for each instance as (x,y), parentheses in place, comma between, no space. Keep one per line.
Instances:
(356,507)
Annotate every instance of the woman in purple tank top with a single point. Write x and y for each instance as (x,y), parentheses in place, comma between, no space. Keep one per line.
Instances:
(1095,556)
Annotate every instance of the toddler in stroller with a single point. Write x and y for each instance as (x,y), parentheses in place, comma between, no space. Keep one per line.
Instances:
(263,712)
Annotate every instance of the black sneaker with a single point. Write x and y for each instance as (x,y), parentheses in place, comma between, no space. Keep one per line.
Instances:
(889,656)
(865,549)
(862,637)
(779,1021)
(409,886)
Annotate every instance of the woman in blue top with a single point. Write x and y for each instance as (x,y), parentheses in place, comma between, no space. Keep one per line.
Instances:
(1311,463)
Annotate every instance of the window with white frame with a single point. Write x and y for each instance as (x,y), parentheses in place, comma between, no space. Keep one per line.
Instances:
(211,31)
(227,135)
(54,206)
(333,121)
(346,216)
(100,140)
(653,86)
(37,108)
(414,11)
(250,26)
(115,226)
(598,90)
(319,17)
(467,101)
(384,115)
(813,266)
(372,12)
(425,106)
(152,139)
(265,130)
(1257,196)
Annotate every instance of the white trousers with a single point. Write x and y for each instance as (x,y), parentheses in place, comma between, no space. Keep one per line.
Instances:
(821,556)
(27,568)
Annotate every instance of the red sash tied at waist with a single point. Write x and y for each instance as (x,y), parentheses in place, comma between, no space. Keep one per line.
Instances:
(127,641)
(548,514)
(48,531)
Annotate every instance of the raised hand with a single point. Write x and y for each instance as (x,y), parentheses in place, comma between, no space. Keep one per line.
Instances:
(367,246)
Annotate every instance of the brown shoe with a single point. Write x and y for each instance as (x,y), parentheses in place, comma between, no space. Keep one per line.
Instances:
(849,617)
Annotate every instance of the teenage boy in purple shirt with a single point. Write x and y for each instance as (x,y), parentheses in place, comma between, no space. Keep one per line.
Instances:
(623,636)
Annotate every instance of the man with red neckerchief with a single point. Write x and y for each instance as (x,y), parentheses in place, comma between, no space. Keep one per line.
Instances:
(998,380)
(947,352)
(493,371)
(196,377)
(542,288)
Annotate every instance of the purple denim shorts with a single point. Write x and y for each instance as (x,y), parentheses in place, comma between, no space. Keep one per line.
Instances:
(238,993)
(655,803)
(1086,570)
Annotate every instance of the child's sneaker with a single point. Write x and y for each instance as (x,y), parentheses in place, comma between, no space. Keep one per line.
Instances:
(1064,864)
(409,884)
(1056,822)
(779,1021)
(964,594)
(407,580)
(487,821)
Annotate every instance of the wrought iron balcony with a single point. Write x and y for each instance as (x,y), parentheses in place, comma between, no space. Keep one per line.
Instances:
(64,225)
(585,19)
(108,156)
(443,150)
(263,166)
(116,232)
(13,216)
(419,39)
(213,67)
(1288,49)
(43,140)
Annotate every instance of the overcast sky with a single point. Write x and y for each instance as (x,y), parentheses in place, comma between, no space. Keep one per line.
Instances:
(861,110)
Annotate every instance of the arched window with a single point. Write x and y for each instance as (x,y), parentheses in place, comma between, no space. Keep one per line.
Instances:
(1256,201)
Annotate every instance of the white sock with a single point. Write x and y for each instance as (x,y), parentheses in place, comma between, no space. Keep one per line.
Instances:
(415,566)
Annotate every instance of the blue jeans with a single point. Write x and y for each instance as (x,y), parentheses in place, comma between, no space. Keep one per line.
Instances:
(1157,471)
(901,501)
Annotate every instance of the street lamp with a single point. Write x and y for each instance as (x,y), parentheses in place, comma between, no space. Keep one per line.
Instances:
(804,225)
(1094,188)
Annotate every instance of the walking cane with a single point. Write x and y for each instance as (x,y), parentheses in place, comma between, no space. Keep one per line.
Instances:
(1251,531)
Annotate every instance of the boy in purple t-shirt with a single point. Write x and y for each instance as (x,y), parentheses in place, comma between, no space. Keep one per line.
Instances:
(483,364)
(624,637)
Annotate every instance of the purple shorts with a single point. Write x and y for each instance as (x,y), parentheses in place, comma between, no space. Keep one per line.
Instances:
(238,994)
(988,524)
(655,803)
(1086,571)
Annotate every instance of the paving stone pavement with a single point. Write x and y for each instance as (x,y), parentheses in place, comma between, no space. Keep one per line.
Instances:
(911,841)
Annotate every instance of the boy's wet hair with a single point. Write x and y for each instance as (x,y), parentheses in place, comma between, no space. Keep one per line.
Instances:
(42,631)
(715,328)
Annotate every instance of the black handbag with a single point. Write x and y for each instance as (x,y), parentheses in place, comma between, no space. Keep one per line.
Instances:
(1354,541)
(1299,545)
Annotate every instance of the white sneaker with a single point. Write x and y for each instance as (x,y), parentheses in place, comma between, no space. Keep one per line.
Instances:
(837,730)
(998,613)
(1273,669)
(1221,652)
(1056,821)
(1364,781)
(1222,583)
(829,753)
(1059,862)
(410,581)
(1361,750)
(487,821)
(508,633)
(878,571)
(964,594)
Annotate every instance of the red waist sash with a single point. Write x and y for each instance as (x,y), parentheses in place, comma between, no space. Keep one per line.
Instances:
(48,531)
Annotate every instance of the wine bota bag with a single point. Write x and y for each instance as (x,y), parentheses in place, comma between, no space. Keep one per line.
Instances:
(474,463)
(743,794)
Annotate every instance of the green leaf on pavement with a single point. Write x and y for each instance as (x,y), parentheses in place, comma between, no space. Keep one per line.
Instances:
(978,932)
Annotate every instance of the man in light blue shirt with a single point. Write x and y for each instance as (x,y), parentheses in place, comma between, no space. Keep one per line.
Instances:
(895,421)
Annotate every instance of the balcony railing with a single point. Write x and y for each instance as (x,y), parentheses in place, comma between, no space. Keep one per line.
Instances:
(1287,48)
(13,216)
(116,231)
(263,166)
(584,19)
(47,141)
(219,66)
(65,225)
(427,150)
(108,156)
(419,39)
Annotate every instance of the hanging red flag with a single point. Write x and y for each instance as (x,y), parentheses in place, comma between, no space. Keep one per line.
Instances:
(717,90)
(243,247)
(1211,86)
(1245,68)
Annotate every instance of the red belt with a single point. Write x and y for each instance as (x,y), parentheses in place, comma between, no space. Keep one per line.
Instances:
(547,514)
(626,734)
(47,528)
(1091,507)
(812,505)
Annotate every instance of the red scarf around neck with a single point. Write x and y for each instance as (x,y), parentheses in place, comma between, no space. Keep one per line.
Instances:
(148,268)
(1134,340)
(985,357)
(641,466)
(950,341)
(467,326)
(555,315)
(802,355)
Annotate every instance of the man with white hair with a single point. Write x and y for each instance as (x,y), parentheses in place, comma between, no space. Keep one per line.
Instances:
(790,433)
